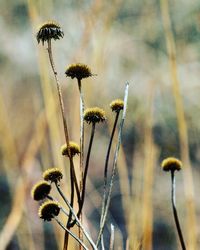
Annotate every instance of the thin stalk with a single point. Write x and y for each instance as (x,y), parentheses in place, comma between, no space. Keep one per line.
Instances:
(114,165)
(173,200)
(85,172)
(86,167)
(49,49)
(75,216)
(72,197)
(82,107)
(112,237)
(73,235)
(106,166)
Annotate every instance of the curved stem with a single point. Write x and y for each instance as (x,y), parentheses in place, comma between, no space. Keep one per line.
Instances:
(49,49)
(85,172)
(106,166)
(73,235)
(114,165)
(173,199)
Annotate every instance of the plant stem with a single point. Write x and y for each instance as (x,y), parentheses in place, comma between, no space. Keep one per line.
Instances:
(85,172)
(49,49)
(112,237)
(82,107)
(173,199)
(73,235)
(106,166)
(114,165)
(75,216)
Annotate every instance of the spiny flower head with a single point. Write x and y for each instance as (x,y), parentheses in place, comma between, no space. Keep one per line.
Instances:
(171,164)
(78,70)
(117,105)
(40,190)
(53,175)
(48,210)
(94,115)
(74,149)
(48,31)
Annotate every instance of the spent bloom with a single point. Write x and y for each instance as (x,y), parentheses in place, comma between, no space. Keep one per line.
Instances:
(53,175)
(94,115)
(74,149)
(48,210)
(117,105)
(49,30)
(78,70)
(171,164)
(40,190)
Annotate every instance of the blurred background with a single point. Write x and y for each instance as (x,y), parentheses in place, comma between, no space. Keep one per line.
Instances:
(153,45)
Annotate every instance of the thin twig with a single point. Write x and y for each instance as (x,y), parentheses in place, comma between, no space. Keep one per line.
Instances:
(76,218)
(82,107)
(73,235)
(112,237)
(106,166)
(85,172)
(49,49)
(173,199)
(114,164)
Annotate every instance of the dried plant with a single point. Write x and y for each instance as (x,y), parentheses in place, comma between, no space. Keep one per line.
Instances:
(49,207)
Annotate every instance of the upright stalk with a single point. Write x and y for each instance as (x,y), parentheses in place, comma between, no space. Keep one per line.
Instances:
(49,49)
(173,199)
(114,165)
(85,172)
(106,166)
(82,107)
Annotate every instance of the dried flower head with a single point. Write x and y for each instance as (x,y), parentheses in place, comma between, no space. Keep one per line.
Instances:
(48,210)
(117,105)
(171,164)
(78,71)
(94,115)
(53,175)
(40,190)
(49,30)
(74,149)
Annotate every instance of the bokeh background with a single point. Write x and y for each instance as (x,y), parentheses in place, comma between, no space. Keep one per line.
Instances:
(154,45)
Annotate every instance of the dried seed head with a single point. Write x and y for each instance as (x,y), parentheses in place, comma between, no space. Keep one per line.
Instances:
(53,175)
(117,105)
(171,164)
(49,30)
(74,149)
(48,210)
(94,115)
(40,190)
(78,71)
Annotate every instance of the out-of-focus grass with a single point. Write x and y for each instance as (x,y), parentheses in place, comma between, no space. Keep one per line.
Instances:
(121,41)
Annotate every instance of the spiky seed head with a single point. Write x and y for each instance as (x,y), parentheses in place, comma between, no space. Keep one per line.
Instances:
(94,115)
(40,190)
(74,149)
(48,210)
(49,30)
(117,105)
(78,70)
(171,164)
(53,175)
